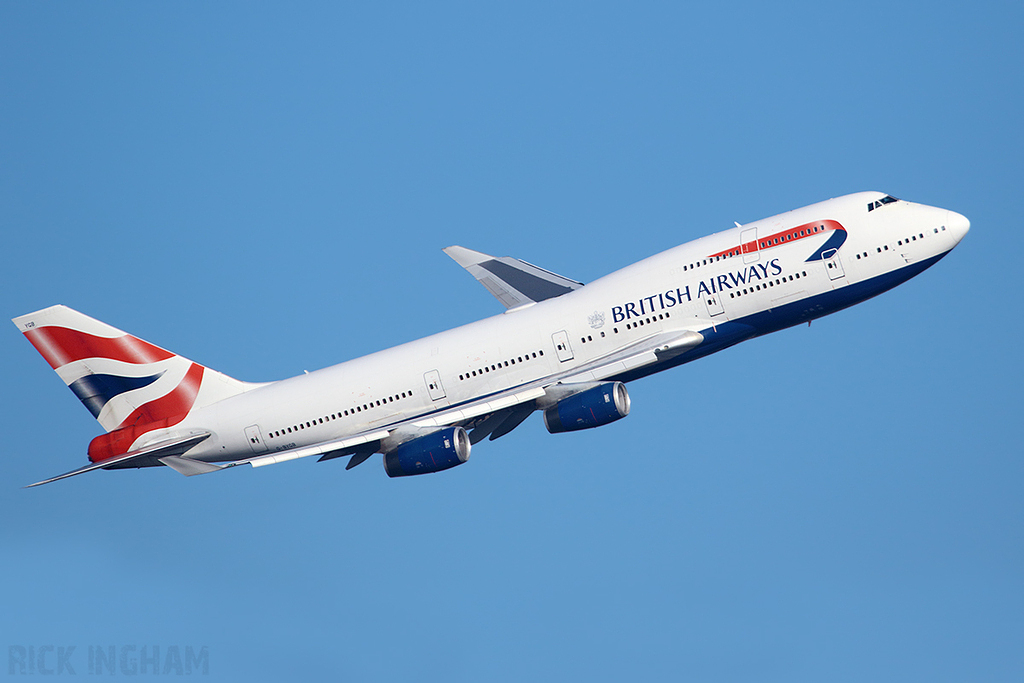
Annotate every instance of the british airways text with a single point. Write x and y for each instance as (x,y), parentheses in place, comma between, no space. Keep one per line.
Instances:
(662,300)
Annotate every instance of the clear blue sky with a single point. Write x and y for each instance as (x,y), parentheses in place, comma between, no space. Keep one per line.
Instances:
(267,188)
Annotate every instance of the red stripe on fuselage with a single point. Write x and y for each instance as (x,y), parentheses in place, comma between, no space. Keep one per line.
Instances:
(809,229)
(60,346)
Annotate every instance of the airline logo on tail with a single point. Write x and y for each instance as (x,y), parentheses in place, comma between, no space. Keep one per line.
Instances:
(123,380)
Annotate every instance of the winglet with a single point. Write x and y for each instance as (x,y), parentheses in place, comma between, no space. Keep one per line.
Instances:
(512,281)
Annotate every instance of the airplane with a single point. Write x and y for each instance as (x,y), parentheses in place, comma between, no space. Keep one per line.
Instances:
(559,347)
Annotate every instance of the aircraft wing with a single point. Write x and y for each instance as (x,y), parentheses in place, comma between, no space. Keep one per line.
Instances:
(500,413)
(494,415)
(512,282)
(327,447)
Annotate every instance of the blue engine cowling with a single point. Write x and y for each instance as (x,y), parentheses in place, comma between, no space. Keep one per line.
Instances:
(591,408)
(434,452)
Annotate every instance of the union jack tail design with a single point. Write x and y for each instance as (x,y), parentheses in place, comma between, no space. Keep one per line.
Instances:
(125,382)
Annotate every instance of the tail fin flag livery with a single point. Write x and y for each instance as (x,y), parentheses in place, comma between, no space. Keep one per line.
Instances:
(560,347)
(130,386)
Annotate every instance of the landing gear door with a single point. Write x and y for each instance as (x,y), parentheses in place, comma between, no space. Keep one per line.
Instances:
(833,266)
(433,381)
(562,348)
(748,245)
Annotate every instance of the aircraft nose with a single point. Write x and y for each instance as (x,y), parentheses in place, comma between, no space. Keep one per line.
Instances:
(958,224)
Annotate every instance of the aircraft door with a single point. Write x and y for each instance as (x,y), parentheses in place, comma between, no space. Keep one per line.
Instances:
(833,266)
(433,381)
(714,304)
(749,246)
(562,348)
(252,433)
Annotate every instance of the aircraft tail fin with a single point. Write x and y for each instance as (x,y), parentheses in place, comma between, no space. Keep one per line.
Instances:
(123,380)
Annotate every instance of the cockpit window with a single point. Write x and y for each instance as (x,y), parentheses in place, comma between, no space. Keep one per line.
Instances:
(887,199)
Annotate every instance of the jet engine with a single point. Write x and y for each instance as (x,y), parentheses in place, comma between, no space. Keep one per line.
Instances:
(594,407)
(433,452)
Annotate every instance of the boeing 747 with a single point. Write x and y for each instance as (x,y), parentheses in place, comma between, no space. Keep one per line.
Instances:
(559,347)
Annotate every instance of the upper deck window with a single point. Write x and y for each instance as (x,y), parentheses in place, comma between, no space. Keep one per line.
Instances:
(887,199)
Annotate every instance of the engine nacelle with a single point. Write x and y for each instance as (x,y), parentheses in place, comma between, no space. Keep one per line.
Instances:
(434,452)
(591,408)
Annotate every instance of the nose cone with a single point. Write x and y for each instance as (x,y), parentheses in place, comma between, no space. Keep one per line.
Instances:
(957,224)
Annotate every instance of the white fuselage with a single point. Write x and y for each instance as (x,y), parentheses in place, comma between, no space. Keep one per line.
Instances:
(729,286)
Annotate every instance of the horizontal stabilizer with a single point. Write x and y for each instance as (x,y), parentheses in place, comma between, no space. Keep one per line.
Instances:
(159,451)
(512,282)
